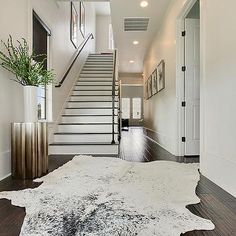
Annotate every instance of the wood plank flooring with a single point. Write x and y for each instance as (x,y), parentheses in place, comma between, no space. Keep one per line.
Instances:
(216,204)
(135,146)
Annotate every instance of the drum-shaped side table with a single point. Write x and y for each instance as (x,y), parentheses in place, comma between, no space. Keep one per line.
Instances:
(29,150)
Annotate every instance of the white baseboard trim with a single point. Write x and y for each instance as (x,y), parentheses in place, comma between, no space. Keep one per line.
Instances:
(4,177)
(219,170)
(5,164)
(159,143)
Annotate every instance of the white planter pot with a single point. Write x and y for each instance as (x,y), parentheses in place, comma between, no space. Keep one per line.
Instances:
(30,104)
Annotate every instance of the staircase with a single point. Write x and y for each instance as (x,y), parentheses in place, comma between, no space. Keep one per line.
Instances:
(87,122)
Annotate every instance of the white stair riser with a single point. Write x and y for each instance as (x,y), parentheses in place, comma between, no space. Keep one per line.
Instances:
(103,57)
(92,98)
(110,63)
(84,149)
(97,69)
(94,83)
(100,64)
(93,92)
(100,56)
(110,72)
(100,59)
(96,72)
(94,87)
(89,111)
(87,75)
(86,128)
(73,138)
(89,119)
(90,104)
(109,60)
(91,79)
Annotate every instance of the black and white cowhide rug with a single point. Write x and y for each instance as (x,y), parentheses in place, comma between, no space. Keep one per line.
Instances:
(105,196)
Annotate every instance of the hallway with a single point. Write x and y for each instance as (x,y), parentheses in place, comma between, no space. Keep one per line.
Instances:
(72,72)
(136,146)
(216,204)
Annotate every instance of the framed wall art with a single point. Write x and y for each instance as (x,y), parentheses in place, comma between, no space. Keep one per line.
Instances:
(82,19)
(74,25)
(161,75)
(146,90)
(150,87)
(154,82)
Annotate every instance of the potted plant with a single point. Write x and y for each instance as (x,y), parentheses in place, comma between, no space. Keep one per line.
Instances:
(28,72)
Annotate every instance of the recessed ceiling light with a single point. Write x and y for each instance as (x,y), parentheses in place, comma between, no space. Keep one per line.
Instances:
(131,61)
(135,42)
(144,4)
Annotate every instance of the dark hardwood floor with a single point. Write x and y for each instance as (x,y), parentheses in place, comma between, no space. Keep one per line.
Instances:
(216,204)
(135,146)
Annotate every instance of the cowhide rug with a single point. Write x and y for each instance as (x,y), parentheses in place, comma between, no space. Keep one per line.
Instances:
(105,196)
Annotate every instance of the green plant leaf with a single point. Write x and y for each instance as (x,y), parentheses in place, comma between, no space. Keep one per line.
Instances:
(27,68)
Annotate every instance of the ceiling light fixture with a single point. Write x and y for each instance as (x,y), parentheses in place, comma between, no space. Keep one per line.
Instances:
(135,42)
(144,4)
(131,61)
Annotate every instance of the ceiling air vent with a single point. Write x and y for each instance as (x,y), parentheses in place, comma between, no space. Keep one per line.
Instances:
(136,23)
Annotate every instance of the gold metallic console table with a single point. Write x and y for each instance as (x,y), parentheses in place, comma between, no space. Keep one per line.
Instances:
(29,150)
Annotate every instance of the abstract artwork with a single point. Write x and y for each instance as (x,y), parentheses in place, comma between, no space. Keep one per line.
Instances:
(82,19)
(150,87)
(161,75)
(146,90)
(74,26)
(154,82)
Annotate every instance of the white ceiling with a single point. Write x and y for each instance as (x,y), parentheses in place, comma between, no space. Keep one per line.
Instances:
(83,0)
(124,40)
(102,8)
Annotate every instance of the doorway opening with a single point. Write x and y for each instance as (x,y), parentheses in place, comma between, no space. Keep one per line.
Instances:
(189,80)
(41,35)
(132,104)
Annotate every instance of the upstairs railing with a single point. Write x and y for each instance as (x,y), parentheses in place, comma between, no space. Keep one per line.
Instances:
(79,50)
(114,94)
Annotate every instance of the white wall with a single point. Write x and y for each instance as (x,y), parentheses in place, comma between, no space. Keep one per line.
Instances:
(218,96)
(218,121)
(57,17)
(102,33)
(131,78)
(11,93)
(160,110)
(195,11)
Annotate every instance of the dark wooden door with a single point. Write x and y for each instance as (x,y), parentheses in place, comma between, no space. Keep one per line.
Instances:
(40,40)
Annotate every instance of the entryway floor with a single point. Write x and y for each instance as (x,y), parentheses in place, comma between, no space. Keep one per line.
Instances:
(135,146)
(216,204)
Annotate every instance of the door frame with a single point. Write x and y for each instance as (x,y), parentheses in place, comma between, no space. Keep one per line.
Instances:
(180,75)
(131,101)
(33,13)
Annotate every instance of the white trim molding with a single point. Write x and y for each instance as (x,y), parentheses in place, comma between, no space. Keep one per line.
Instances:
(5,164)
(225,168)
(162,140)
(180,94)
